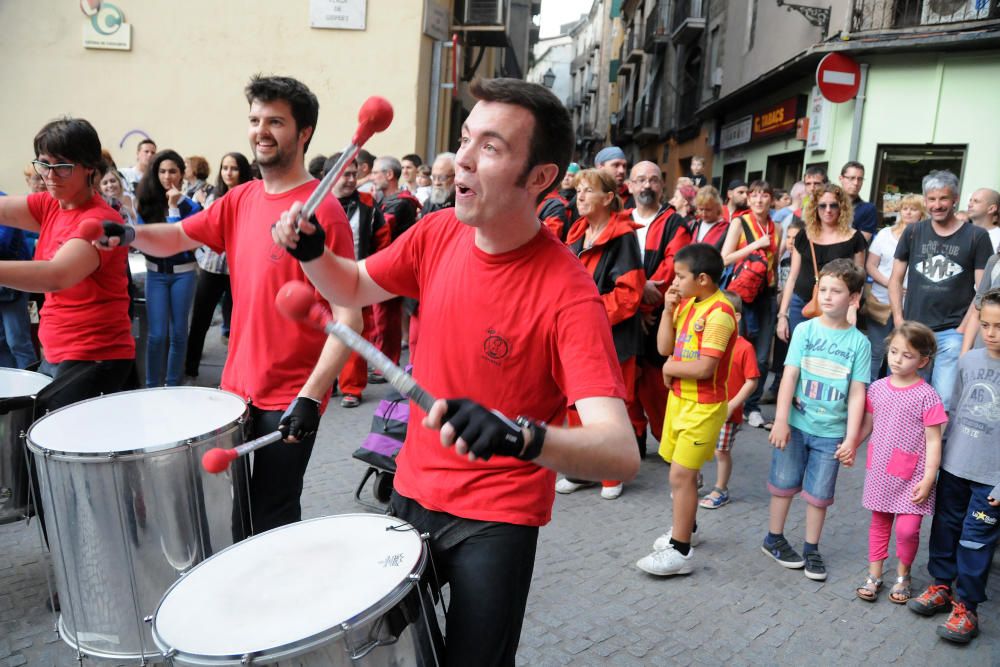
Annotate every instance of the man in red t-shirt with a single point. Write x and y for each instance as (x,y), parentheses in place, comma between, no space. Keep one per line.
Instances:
(512,321)
(284,371)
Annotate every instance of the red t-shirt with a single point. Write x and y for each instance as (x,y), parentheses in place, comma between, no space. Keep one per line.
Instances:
(88,321)
(742,368)
(523,332)
(270,357)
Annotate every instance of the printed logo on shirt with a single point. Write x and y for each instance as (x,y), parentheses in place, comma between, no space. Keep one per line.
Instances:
(938,268)
(983,402)
(985,518)
(816,390)
(495,347)
(825,368)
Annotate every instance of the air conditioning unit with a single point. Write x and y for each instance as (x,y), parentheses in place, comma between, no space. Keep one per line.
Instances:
(483,12)
(953,11)
(717,77)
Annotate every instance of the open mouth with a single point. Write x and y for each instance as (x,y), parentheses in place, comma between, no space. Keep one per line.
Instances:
(463,190)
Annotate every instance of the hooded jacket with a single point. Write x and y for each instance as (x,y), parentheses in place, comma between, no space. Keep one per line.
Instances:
(554,212)
(400,211)
(373,232)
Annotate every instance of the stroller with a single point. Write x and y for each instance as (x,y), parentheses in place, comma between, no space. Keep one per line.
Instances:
(380,447)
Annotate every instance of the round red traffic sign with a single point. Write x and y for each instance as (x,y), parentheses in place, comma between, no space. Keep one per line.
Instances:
(838,77)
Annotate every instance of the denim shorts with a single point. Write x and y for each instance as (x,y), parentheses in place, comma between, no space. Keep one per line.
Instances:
(806,464)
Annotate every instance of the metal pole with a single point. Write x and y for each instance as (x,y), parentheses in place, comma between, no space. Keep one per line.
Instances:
(434,103)
(859,111)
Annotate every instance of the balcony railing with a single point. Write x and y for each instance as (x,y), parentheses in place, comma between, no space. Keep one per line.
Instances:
(657,29)
(880,15)
(689,20)
(648,123)
(632,46)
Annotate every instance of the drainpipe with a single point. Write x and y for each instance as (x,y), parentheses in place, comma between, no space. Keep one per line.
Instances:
(859,111)
(434,103)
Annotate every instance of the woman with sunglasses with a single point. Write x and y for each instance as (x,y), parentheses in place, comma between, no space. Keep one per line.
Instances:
(85,320)
(830,234)
(170,281)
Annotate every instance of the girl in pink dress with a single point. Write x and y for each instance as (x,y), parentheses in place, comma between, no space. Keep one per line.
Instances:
(904,416)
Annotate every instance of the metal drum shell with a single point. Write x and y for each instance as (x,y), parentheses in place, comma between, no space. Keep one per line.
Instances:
(13,424)
(124,526)
(329,648)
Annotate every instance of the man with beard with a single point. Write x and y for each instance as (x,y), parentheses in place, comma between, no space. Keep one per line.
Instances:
(370,235)
(284,371)
(442,184)
(612,160)
(736,200)
(662,232)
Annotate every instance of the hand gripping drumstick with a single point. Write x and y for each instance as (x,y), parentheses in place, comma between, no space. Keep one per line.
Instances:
(375,116)
(295,301)
(91,230)
(217,459)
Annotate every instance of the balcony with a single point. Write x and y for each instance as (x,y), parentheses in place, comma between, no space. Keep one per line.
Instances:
(622,126)
(689,21)
(648,123)
(882,15)
(592,83)
(632,46)
(657,33)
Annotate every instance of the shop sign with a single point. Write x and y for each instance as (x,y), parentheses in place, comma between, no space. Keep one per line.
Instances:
(436,20)
(736,133)
(105,27)
(338,14)
(819,127)
(777,120)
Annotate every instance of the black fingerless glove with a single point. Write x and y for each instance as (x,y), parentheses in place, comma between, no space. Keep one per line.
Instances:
(301,419)
(309,246)
(126,233)
(489,432)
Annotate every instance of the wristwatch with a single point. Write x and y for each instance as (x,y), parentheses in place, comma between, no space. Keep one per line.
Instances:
(537,430)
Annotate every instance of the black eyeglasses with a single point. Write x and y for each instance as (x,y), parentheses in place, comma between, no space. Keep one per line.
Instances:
(63,170)
(833,207)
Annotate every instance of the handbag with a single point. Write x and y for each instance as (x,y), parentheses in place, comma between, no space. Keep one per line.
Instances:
(811,309)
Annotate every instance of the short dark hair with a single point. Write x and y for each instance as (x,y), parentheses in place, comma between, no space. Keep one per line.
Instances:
(412,157)
(701,258)
(332,160)
(795,223)
(918,336)
(761,186)
(72,139)
(305,106)
(317,166)
(991,298)
(845,269)
(853,164)
(366,158)
(735,300)
(143,142)
(816,170)
(552,138)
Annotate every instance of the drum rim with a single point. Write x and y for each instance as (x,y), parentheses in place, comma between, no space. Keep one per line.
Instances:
(305,644)
(61,455)
(21,371)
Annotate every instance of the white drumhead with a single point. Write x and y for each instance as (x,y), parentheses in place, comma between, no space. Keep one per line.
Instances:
(286,585)
(14,382)
(130,421)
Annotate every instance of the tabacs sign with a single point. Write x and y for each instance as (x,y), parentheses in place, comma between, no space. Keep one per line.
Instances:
(777,120)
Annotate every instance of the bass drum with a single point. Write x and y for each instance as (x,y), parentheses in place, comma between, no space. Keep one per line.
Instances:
(128,508)
(17,411)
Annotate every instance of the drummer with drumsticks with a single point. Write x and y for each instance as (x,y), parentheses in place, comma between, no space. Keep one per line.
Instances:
(513,323)
(285,372)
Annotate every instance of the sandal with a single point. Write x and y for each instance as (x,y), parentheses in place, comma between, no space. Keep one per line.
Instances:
(900,592)
(711,502)
(869,590)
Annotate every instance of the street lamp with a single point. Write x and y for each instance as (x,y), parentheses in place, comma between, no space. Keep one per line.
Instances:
(549,78)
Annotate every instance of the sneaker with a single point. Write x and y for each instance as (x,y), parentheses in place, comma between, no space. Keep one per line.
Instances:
(662,542)
(962,625)
(935,599)
(611,492)
(783,553)
(815,567)
(666,562)
(564,485)
(350,401)
(376,378)
(756,419)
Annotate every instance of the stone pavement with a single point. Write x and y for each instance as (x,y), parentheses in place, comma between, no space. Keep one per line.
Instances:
(589,605)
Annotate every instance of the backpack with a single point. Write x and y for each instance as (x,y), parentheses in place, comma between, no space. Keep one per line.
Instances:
(749,276)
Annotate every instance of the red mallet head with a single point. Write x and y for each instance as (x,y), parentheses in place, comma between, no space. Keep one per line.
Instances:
(217,460)
(296,300)
(91,230)
(375,116)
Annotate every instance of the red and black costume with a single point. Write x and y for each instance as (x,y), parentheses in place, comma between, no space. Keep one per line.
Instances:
(628,201)
(555,213)
(400,212)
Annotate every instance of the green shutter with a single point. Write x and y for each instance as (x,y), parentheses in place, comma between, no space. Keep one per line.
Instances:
(616,8)
(613,73)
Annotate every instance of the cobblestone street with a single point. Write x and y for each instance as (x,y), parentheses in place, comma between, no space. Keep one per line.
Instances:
(589,605)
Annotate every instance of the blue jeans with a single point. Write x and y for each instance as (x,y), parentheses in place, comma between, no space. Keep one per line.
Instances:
(806,464)
(963,536)
(168,307)
(877,333)
(944,371)
(760,321)
(16,348)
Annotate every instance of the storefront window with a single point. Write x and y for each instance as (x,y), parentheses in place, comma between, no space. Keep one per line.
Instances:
(899,171)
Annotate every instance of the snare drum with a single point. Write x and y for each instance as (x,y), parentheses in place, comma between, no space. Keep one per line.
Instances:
(325,592)
(13,422)
(128,507)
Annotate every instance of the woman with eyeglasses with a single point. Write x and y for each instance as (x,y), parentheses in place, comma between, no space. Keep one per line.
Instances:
(85,320)
(170,281)
(829,232)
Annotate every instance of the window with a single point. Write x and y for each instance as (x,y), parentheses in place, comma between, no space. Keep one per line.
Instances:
(900,169)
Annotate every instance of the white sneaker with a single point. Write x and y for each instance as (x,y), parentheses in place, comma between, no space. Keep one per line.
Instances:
(662,542)
(565,486)
(611,492)
(755,419)
(666,562)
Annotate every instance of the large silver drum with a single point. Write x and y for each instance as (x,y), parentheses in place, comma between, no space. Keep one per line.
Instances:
(340,590)
(15,417)
(128,507)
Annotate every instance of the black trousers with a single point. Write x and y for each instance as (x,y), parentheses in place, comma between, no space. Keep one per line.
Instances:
(211,287)
(488,568)
(277,474)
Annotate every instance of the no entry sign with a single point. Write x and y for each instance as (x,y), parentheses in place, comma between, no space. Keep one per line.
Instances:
(838,77)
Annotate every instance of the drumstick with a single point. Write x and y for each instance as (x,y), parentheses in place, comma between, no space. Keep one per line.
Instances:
(295,301)
(217,459)
(91,230)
